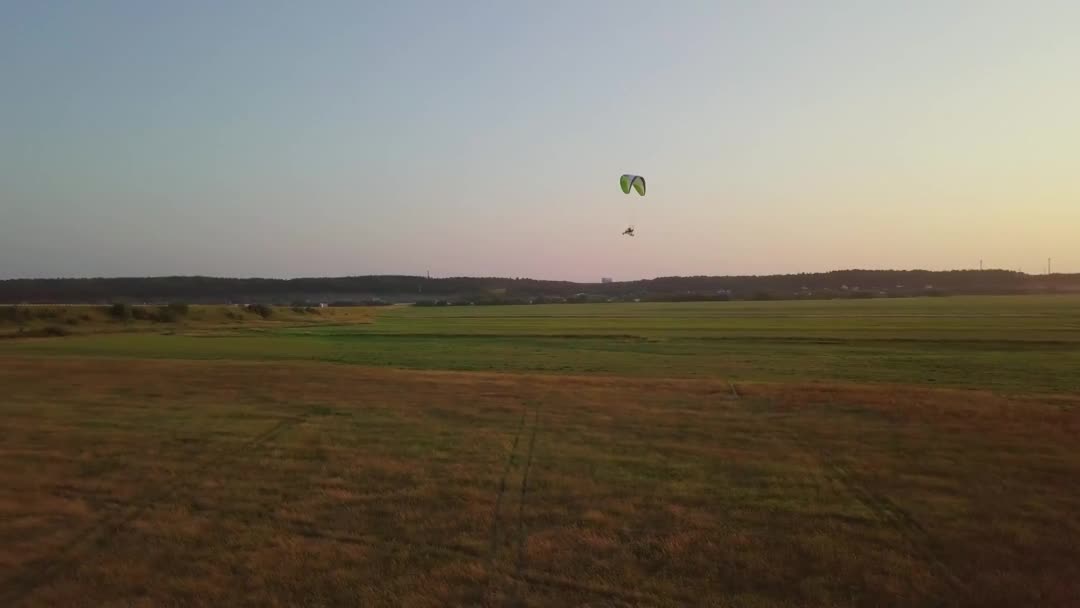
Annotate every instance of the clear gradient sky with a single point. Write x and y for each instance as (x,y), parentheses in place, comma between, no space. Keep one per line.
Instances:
(487,137)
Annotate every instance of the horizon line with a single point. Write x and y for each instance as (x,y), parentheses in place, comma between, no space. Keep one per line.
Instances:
(520,278)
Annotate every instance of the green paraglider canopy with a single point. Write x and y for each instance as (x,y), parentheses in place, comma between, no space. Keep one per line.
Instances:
(632,181)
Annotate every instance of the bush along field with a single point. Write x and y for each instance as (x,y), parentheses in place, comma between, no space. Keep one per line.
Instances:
(28,321)
(855,453)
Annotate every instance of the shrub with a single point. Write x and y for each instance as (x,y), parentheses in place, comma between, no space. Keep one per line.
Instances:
(121,311)
(47,313)
(55,330)
(177,309)
(262,310)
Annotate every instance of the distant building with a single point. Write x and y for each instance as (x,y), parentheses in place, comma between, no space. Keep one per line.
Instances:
(607,280)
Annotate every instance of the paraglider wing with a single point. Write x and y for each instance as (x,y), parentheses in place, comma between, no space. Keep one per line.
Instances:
(632,181)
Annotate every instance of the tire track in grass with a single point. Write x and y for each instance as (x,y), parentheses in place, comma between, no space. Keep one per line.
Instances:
(376,541)
(624,597)
(488,587)
(522,531)
(502,486)
(97,537)
(920,540)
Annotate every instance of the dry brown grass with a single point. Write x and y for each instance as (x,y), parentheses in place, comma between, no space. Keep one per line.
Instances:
(215,483)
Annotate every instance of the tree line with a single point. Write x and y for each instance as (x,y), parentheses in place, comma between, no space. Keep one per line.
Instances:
(403,288)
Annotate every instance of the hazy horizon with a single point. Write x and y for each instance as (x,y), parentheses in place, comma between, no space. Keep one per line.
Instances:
(275,140)
(475,276)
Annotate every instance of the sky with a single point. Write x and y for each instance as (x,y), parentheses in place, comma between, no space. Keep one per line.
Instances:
(486,138)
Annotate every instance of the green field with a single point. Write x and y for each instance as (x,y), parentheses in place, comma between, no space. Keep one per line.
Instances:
(1020,344)
(908,452)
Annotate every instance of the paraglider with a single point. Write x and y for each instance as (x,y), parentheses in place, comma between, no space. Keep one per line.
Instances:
(630,182)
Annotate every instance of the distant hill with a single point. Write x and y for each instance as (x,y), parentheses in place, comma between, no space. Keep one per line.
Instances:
(494,290)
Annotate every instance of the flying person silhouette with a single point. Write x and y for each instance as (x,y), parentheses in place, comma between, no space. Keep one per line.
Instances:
(631,183)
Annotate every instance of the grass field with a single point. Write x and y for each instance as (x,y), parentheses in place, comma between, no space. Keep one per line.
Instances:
(1021,344)
(40,320)
(850,453)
